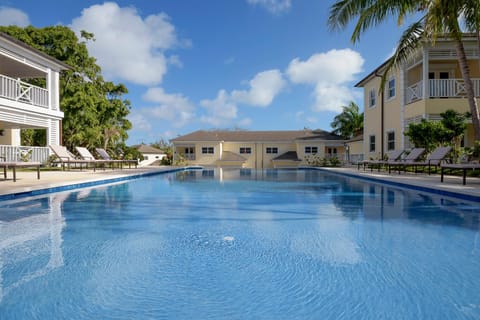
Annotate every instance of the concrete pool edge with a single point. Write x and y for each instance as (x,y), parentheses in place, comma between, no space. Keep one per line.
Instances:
(86,183)
(390,180)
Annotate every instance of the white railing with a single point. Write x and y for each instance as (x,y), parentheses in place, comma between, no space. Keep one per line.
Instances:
(414,92)
(15,89)
(441,88)
(24,153)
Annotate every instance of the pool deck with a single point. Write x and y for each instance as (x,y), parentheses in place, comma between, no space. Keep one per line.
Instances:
(51,181)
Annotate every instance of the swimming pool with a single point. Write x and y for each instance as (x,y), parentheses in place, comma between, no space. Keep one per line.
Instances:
(240,244)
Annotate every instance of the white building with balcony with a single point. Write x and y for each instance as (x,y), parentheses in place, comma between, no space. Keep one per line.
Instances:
(27,106)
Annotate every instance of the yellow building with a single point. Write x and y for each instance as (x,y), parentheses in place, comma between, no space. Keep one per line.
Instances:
(429,84)
(257,149)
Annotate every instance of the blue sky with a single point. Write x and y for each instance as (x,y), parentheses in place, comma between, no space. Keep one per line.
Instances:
(225,64)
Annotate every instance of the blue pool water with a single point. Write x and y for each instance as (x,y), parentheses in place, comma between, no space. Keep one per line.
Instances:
(240,244)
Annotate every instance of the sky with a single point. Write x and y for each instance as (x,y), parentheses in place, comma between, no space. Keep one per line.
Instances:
(219,64)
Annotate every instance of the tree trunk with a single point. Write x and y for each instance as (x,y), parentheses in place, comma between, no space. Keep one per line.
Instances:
(472,102)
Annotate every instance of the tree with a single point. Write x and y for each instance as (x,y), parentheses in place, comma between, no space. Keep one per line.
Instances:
(425,134)
(95,111)
(454,128)
(166,147)
(436,17)
(349,122)
(430,134)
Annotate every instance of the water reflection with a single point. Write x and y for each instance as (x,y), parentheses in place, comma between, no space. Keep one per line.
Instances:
(356,198)
(30,230)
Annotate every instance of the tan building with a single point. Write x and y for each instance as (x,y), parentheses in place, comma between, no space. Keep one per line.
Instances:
(256,149)
(429,84)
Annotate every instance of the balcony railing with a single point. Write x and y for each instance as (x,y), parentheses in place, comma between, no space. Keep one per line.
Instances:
(24,153)
(15,89)
(441,88)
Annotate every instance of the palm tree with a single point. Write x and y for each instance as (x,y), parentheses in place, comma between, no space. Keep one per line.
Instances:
(349,122)
(437,17)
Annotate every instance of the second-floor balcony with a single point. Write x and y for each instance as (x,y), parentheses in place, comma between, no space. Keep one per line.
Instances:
(440,88)
(17,90)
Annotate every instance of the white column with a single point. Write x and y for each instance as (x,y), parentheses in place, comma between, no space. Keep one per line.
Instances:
(426,91)
(53,132)
(402,85)
(49,85)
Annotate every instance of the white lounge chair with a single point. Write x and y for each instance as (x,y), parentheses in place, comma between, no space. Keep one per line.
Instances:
(66,158)
(105,156)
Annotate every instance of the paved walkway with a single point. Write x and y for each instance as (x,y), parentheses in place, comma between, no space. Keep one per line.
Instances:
(27,180)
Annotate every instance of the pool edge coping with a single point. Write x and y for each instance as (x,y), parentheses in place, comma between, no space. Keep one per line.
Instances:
(448,193)
(87,184)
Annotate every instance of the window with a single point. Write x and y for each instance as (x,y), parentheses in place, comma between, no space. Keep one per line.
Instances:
(245,172)
(311,149)
(390,141)
(373,97)
(272,150)
(371,144)
(207,150)
(332,151)
(391,88)
(245,150)
(208,173)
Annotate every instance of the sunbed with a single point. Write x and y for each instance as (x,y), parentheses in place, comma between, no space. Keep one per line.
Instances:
(459,166)
(86,155)
(434,159)
(14,165)
(411,157)
(105,156)
(392,158)
(66,158)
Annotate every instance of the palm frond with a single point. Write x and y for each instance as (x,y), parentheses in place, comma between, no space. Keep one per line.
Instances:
(344,11)
(408,44)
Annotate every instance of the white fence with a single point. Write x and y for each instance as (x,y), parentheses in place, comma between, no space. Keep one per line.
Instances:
(24,153)
(441,88)
(15,89)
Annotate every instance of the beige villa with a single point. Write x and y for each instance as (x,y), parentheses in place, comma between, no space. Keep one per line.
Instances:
(429,84)
(24,105)
(257,149)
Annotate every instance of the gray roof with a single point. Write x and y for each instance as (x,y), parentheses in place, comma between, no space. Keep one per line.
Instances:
(231,156)
(255,136)
(146,149)
(356,138)
(289,155)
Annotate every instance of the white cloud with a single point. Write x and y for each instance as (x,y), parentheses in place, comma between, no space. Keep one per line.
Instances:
(274,6)
(221,111)
(13,17)
(229,60)
(330,74)
(331,97)
(126,46)
(139,121)
(263,89)
(174,60)
(175,108)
